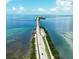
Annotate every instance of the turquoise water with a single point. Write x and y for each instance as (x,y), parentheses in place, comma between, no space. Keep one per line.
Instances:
(20,28)
(56,25)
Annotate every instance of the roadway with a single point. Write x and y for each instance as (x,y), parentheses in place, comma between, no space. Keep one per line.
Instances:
(40,46)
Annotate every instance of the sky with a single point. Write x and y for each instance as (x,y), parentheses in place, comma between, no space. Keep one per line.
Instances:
(54,7)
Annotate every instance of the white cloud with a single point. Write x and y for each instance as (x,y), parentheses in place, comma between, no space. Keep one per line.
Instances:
(33,10)
(41,10)
(14,8)
(53,9)
(21,8)
(64,5)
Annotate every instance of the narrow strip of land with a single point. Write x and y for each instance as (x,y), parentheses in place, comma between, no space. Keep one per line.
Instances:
(40,44)
(44,35)
(41,52)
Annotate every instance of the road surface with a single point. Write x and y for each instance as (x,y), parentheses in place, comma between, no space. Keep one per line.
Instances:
(40,45)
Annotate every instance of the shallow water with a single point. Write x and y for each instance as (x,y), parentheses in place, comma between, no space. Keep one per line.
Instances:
(56,25)
(20,29)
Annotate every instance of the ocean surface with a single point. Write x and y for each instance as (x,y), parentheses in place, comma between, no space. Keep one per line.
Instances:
(20,27)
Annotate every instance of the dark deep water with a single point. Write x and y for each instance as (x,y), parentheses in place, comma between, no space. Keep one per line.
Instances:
(19,30)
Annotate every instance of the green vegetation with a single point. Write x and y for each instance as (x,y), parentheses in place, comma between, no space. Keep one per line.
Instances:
(51,45)
(46,48)
(33,51)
